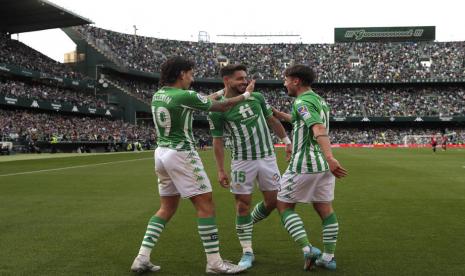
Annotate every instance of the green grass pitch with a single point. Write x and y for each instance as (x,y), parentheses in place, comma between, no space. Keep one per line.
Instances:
(401,212)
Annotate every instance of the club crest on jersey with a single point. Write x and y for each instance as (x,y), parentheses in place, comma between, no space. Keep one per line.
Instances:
(303,111)
(202,98)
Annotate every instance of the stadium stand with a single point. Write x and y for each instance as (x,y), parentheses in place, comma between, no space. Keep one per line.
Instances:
(16,53)
(49,91)
(340,61)
(347,101)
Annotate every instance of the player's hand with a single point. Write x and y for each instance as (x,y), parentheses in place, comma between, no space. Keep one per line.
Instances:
(336,168)
(250,88)
(275,111)
(288,152)
(223,179)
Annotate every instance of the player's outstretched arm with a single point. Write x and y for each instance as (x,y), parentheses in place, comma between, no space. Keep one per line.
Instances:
(216,95)
(283,116)
(279,130)
(225,105)
(321,136)
(218,148)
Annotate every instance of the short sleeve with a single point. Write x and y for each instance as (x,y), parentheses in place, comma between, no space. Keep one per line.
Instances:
(215,119)
(266,108)
(308,111)
(194,100)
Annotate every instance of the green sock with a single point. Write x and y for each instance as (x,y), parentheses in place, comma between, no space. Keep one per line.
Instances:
(330,232)
(209,234)
(154,229)
(244,228)
(259,212)
(295,227)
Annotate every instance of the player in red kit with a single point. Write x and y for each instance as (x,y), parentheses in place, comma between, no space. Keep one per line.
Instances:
(434,142)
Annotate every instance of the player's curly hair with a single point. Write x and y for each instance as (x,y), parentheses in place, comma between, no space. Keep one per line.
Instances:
(172,68)
(229,69)
(304,73)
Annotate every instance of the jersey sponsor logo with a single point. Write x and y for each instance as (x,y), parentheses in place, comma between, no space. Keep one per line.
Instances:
(202,98)
(246,111)
(303,111)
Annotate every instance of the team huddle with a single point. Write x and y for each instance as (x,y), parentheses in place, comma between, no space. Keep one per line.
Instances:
(244,114)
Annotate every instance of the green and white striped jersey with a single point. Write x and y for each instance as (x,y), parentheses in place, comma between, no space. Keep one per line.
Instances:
(172,111)
(308,109)
(246,123)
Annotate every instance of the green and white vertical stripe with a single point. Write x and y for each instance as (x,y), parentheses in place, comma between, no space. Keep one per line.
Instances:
(209,235)
(250,142)
(306,154)
(154,229)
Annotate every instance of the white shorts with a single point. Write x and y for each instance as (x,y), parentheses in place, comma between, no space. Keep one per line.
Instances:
(180,172)
(245,172)
(306,187)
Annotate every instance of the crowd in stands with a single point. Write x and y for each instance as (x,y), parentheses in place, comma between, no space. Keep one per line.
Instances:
(23,126)
(347,101)
(339,61)
(393,135)
(51,92)
(14,52)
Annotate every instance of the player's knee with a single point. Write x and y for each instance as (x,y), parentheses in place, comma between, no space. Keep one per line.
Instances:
(242,208)
(283,206)
(270,203)
(323,209)
(166,212)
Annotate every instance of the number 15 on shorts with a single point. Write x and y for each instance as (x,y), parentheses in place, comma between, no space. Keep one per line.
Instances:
(238,176)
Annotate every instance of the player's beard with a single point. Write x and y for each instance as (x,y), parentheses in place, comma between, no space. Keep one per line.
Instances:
(240,89)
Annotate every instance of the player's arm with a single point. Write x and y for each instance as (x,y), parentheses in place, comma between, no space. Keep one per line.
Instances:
(275,124)
(283,116)
(216,122)
(309,113)
(218,148)
(223,106)
(279,130)
(216,95)
(321,135)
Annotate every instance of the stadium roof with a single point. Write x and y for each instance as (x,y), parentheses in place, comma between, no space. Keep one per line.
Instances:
(18,16)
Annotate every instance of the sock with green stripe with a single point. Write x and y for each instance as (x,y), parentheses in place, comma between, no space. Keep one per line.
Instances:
(259,212)
(244,228)
(209,235)
(295,227)
(330,232)
(154,229)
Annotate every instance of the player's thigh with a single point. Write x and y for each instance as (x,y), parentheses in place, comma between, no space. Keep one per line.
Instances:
(307,188)
(268,175)
(187,173)
(243,175)
(325,183)
(166,186)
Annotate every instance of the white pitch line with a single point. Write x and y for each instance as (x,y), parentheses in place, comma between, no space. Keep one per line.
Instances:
(75,167)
